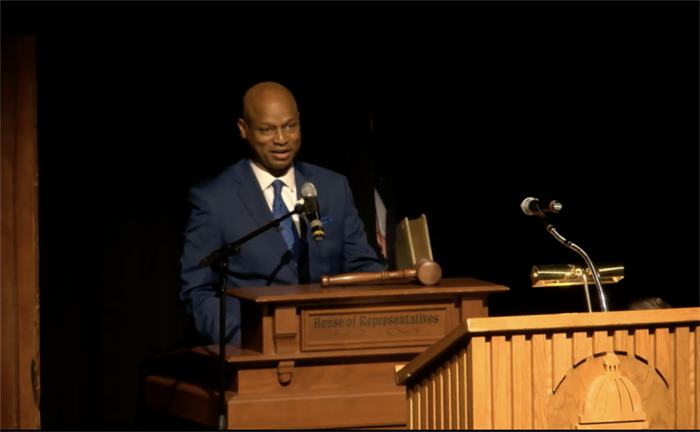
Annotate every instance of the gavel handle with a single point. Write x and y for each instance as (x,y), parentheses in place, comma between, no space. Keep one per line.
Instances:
(362,278)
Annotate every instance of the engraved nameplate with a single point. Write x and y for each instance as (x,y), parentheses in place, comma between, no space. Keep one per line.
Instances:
(375,327)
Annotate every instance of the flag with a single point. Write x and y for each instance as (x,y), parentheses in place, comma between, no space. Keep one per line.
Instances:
(380,225)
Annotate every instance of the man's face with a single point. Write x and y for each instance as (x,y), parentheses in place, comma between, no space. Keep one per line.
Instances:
(273,132)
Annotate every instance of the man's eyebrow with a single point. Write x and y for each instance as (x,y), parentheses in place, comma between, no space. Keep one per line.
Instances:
(284,122)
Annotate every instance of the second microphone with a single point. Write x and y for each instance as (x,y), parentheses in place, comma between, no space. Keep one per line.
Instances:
(308,192)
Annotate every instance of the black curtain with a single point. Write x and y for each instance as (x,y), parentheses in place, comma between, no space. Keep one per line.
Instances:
(606,124)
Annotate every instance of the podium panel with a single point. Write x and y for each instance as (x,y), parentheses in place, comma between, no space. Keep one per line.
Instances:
(614,370)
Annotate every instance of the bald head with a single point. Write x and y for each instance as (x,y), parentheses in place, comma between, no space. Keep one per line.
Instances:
(266,94)
(270,125)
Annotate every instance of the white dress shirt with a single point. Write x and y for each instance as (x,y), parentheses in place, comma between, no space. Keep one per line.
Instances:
(289,190)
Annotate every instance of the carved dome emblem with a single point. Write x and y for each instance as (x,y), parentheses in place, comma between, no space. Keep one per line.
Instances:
(612,401)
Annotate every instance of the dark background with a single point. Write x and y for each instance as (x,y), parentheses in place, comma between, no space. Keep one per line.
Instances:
(601,114)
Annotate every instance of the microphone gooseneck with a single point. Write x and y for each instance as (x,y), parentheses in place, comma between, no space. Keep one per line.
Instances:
(530,206)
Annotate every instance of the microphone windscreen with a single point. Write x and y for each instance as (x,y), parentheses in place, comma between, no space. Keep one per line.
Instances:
(308,190)
(525,205)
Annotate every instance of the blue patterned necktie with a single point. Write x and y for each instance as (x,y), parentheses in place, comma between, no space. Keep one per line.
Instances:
(289,231)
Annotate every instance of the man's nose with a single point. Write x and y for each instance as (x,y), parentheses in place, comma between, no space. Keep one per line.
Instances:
(280,137)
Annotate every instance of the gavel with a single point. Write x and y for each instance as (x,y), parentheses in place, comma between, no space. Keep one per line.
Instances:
(425,272)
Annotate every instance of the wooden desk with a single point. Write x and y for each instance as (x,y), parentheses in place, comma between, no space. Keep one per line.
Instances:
(603,370)
(317,358)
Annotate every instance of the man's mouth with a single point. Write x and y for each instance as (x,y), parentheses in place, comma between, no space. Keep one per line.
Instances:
(281,154)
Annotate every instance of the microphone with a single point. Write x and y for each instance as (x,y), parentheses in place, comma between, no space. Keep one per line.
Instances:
(308,192)
(533,206)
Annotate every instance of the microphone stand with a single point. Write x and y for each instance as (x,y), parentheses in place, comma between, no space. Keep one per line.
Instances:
(220,257)
(550,229)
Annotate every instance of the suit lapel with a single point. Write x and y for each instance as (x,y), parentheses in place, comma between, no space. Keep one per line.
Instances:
(299,177)
(253,198)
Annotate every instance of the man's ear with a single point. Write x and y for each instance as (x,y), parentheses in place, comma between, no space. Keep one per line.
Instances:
(242,128)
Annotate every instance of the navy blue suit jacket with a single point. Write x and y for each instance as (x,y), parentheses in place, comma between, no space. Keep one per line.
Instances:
(231,206)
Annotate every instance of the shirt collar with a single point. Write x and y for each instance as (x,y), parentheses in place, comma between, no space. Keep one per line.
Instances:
(265,179)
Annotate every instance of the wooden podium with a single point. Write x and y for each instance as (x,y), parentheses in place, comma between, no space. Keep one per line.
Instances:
(614,370)
(317,358)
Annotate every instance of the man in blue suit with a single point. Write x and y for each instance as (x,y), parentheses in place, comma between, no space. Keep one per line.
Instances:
(255,191)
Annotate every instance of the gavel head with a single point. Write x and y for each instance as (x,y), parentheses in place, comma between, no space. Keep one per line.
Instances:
(428,272)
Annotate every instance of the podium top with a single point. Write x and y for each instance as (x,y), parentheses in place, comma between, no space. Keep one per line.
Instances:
(315,292)
(527,324)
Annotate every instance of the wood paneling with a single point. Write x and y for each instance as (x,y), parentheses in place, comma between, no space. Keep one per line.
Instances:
(20,247)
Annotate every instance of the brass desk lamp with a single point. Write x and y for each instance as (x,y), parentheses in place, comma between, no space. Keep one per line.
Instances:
(565,275)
